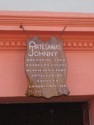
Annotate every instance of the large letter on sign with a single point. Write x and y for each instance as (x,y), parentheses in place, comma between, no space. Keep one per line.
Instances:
(46,68)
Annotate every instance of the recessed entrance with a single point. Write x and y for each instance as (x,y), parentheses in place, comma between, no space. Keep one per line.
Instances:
(41,114)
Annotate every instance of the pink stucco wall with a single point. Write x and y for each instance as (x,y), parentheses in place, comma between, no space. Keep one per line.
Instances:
(13,81)
(79,33)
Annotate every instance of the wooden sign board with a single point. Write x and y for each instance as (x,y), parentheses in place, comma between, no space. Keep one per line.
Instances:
(46,68)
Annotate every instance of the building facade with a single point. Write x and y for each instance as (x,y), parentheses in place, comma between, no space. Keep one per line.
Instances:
(78,42)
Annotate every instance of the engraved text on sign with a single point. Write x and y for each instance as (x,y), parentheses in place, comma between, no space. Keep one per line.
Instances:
(46,68)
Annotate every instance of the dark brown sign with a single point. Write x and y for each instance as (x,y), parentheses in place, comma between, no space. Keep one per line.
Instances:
(46,68)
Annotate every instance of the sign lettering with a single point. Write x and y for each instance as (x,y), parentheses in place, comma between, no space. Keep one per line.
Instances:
(46,68)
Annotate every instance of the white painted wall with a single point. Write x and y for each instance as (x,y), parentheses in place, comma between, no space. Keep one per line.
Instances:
(48,5)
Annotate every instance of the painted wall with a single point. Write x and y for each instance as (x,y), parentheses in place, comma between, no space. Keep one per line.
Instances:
(14,83)
(86,6)
(80,79)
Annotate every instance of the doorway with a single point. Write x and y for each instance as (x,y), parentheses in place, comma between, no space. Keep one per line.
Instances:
(41,114)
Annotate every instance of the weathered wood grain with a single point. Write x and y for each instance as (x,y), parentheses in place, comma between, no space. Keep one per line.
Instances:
(46,68)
